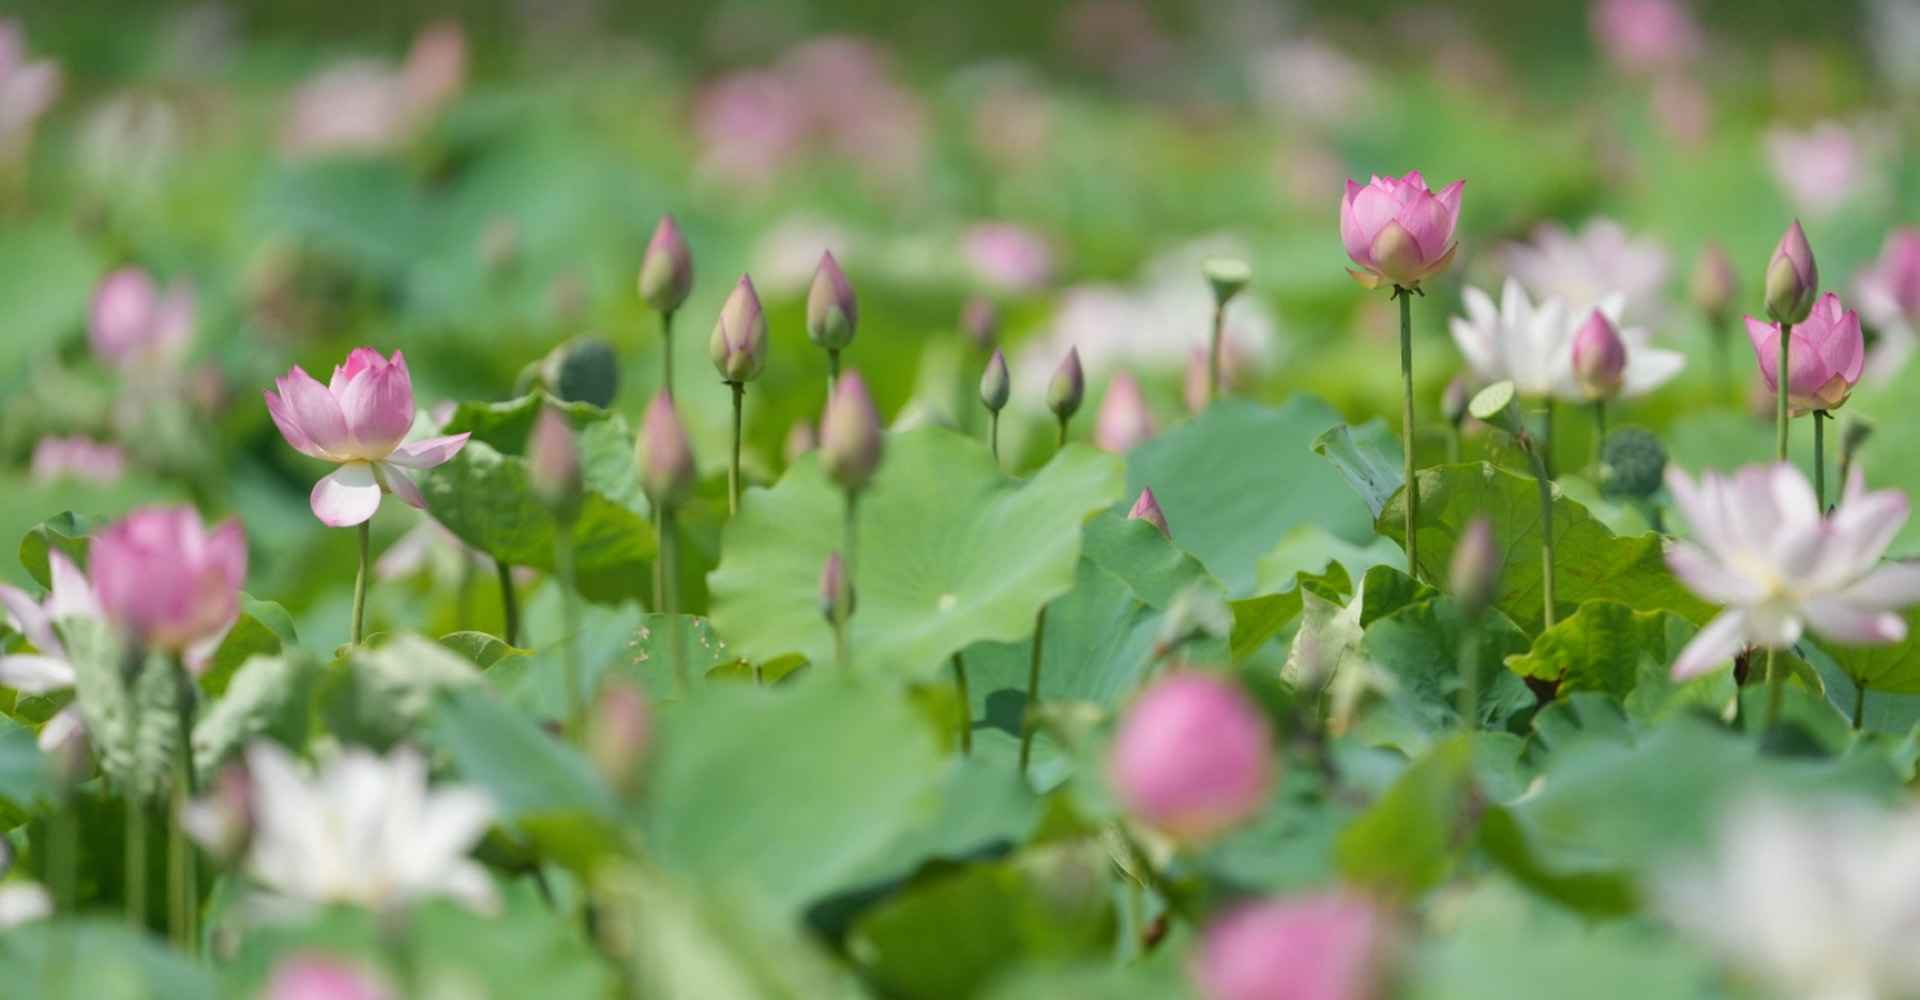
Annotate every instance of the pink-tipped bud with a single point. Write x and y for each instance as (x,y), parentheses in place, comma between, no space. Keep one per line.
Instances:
(1147,509)
(1793,278)
(1474,574)
(739,341)
(995,386)
(664,456)
(666,271)
(980,321)
(553,466)
(1192,756)
(1714,284)
(618,736)
(1325,946)
(800,440)
(1069,386)
(850,440)
(832,312)
(1125,421)
(1453,402)
(1599,358)
(836,591)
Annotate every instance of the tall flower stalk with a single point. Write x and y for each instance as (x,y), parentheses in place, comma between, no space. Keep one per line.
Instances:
(739,348)
(553,470)
(851,446)
(995,389)
(666,278)
(1823,357)
(668,477)
(1227,276)
(1793,280)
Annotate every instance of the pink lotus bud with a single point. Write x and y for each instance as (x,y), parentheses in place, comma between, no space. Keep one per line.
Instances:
(664,456)
(980,321)
(832,312)
(1474,574)
(666,270)
(618,736)
(1325,946)
(1599,358)
(1825,358)
(739,341)
(1069,386)
(850,440)
(1125,420)
(1192,756)
(311,977)
(800,440)
(1397,231)
(1890,290)
(995,386)
(553,466)
(1147,509)
(1453,402)
(1793,278)
(835,589)
(1714,284)
(165,580)
(131,322)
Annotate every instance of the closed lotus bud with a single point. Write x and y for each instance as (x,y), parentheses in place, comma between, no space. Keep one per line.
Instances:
(666,271)
(995,386)
(583,370)
(832,312)
(1325,946)
(850,440)
(618,735)
(664,456)
(1599,359)
(1474,574)
(1147,509)
(835,588)
(1124,421)
(800,440)
(1227,275)
(980,321)
(1192,756)
(1793,278)
(1069,386)
(739,341)
(1453,402)
(1633,463)
(1714,284)
(553,466)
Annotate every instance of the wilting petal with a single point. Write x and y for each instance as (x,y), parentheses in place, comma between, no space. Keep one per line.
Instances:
(395,480)
(428,453)
(1720,641)
(34,673)
(348,496)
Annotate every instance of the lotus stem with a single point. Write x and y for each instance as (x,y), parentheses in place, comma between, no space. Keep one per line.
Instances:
(993,435)
(1859,703)
(359,627)
(1031,723)
(733,467)
(1470,674)
(666,353)
(1213,352)
(843,601)
(1406,429)
(1780,378)
(966,705)
(509,602)
(1820,459)
(570,622)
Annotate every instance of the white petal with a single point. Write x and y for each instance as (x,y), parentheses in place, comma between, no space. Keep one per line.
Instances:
(1717,643)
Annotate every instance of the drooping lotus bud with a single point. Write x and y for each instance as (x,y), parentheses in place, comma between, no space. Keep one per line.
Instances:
(739,341)
(834,586)
(995,386)
(664,456)
(1125,420)
(1227,275)
(832,313)
(1192,756)
(666,271)
(1069,386)
(1714,283)
(1633,463)
(850,440)
(582,370)
(1453,402)
(980,321)
(1326,946)
(553,466)
(1147,509)
(800,440)
(618,735)
(1793,278)
(1474,574)
(1599,358)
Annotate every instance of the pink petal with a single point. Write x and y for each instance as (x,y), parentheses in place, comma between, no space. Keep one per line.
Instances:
(347,496)
(313,410)
(361,359)
(1766,347)
(428,453)
(289,429)
(1450,197)
(1712,581)
(1396,255)
(379,409)
(1373,208)
(1887,587)
(227,553)
(397,482)
(71,596)
(1720,641)
(1851,624)
(1429,223)
(1352,236)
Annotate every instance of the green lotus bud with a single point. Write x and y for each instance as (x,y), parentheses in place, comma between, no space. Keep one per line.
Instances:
(835,589)
(994,384)
(850,440)
(553,466)
(583,370)
(1147,509)
(739,341)
(1793,278)
(1069,386)
(980,321)
(832,312)
(1227,275)
(666,271)
(1474,574)
(664,456)
(1632,463)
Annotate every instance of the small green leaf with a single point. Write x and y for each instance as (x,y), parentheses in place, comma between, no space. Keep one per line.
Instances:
(263,629)
(63,532)
(1362,463)
(1889,669)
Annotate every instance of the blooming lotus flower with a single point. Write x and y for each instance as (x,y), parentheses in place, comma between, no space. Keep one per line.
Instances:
(77,457)
(365,831)
(1764,551)
(48,668)
(167,581)
(1889,297)
(312,977)
(1533,345)
(1644,35)
(1192,756)
(1582,268)
(1007,256)
(132,324)
(1326,946)
(359,419)
(1825,358)
(1397,231)
(1820,169)
(1125,420)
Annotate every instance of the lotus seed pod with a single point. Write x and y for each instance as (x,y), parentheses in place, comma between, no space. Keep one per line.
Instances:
(1633,463)
(664,456)
(739,341)
(553,466)
(850,440)
(666,271)
(1192,756)
(583,370)
(1793,278)
(832,312)
(1475,572)
(1069,386)
(995,387)
(1147,509)
(1227,275)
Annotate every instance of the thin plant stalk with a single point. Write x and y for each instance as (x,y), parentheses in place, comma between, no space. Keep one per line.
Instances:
(993,435)
(833,369)
(1213,353)
(1776,686)
(1859,704)
(1406,429)
(1060,439)
(1780,377)
(1031,723)
(666,354)
(666,566)
(1820,458)
(1599,436)
(359,629)
(1546,437)
(570,622)
(1545,482)
(1453,445)
(509,602)
(1470,674)
(966,705)
(843,601)
(136,858)
(181,878)
(733,467)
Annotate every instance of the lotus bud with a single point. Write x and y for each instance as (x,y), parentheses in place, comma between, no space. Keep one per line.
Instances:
(583,370)
(1147,509)
(850,440)
(666,270)
(832,313)
(553,466)
(1325,946)
(618,736)
(1633,463)
(800,440)
(1124,421)
(980,321)
(1714,285)
(1475,572)
(995,385)
(1192,756)
(835,587)
(165,580)
(1069,386)
(739,341)
(1793,278)
(664,457)
(1397,231)
(1453,402)
(1599,358)
(1227,275)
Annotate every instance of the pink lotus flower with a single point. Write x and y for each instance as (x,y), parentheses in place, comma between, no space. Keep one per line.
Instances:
(1326,946)
(1192,756)
(1399,232)
(1639,35)
(1008,257)
(1583,268)
(1125,419)
(1763,549)
(78,457)
(133,324)
(27,89)
(359,419)
(1824,359)
(47,668)
(164,579)
(1889,296)
(312,977)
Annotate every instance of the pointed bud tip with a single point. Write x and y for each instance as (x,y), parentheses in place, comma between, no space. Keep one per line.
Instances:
(996,385)
(832,311)
(666,269)
(1069,386)
(1147,509)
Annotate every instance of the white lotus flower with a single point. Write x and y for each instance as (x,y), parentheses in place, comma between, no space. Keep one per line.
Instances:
(1780,568)
(47,669)
(1532,344)
(365,830)
(1814,905)
(1582,268)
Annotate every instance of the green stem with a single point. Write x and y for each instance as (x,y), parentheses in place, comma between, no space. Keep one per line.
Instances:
(1599,436)
(1031,723)
(1722,356)
(966,705)
(843,601)
(1546,438)
(666,354)
(1776,686)
(136,858)
(570,622)
(509,602)
(1406,429)
(993,435)
(733,468)
(1545,482)
(666,565)
(1213,354)
(1060,439)
(1470,675)
(184,898)
(1453,445)
(833,369)
(359,630)
(1780,379)
(1859,704)
(1820,458)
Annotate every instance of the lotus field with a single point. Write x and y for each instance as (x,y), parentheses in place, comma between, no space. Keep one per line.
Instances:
(1105,499)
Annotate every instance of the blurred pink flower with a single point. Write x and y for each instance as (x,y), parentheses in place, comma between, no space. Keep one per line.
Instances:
(1011,125)
(1763,549)
(359,419)
(367,106)
(1824,359)
(1125,420)
(1192,756)
(28,87)
(1309,79)
(1581,268)
(1008,257)
(48,668)
(750,125)
(132,324)
(1118,37)
(77,457)
(1326,946)
(1643,35)
(1399,232)
(1682,108)
(162,577)
(312,977)
(1820,169)
(1889,295)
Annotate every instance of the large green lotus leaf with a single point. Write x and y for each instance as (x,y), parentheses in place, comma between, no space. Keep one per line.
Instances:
(1590,561)
(1611,648)
(1410,838)
(1237,479)
(97,958)
(1419,646)
(1890,669)
(950,552)
(263,629)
